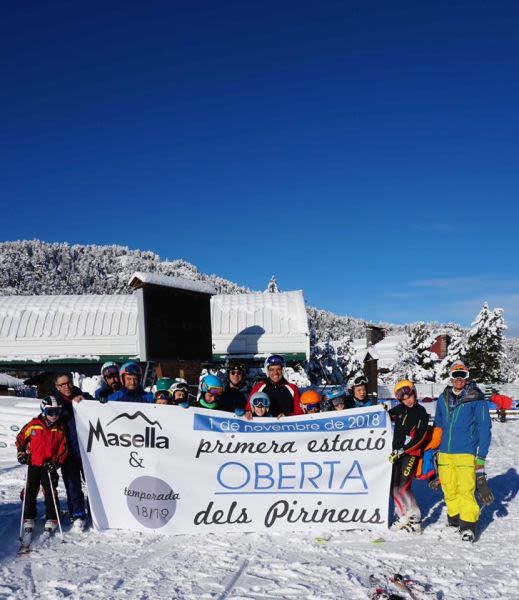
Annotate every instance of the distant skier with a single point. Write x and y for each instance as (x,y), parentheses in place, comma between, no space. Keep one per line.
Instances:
(110,380)
(411,422)
(42,445)
(132,390)
(502,402)
(462,415)
(284,396)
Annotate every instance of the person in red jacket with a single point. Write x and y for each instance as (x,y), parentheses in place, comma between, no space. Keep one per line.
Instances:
(502,402)
(42,444)
(284,396)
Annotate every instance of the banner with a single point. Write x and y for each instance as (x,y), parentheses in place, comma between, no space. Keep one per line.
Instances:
(176,470)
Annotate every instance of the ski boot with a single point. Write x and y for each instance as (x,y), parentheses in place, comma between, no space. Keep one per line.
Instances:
(50,525)
(413,525)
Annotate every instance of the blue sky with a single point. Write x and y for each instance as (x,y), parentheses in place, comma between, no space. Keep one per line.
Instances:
(365,152)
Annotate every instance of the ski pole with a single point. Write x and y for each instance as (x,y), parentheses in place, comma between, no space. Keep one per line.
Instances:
(23,501)
(55,507)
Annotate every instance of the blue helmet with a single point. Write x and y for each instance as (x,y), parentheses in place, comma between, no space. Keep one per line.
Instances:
(336,392)
(274,359)
(211,384)
(260,399)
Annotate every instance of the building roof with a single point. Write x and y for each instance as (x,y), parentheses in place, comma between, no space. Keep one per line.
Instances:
(55,328)
(256,325)
(139,278)
(385,351)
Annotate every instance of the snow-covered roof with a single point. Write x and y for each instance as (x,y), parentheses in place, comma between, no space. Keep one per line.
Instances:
(255,325)
(384,351)
(173,282)
(40,328)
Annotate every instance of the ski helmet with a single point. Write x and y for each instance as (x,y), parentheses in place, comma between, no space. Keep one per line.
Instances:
(404,388)
(260,400)
(459,370)
(274,359)
(360,380)
(236,364)
(179,385)
(109,367)
(163,384)
(310,397)
(50,407)
(213,385)
(336,392)
(130,368)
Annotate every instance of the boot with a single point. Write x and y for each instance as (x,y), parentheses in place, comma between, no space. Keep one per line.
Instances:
(28,525)
(414,524)
(453,521)
(467,531)
(400,523)
(50,525)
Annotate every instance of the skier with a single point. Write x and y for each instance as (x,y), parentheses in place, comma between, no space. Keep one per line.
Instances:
(132,390)
(110,380)
(162,391)
(411,424)
(310,402)
(211,388)
(462,415)
(359,393)
(260,404)
(337,399)
(179,391)
(66,393)
(233,398)
(42,445)
(284,396)
(502,402)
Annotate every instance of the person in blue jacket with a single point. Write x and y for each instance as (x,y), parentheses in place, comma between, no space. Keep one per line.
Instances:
(132,390)
(463,417)
(110,380)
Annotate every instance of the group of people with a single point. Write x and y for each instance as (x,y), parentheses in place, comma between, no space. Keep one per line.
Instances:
(459,439)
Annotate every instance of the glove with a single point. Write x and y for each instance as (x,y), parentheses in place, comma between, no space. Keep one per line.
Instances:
(51,466)
(484,491)
(434,483)
(239,412)
(395,455)
(23,457)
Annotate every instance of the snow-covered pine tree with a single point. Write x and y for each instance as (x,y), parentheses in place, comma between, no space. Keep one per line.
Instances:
(510,365)
(415,360)
(272,286)
(485,352)
(348,363)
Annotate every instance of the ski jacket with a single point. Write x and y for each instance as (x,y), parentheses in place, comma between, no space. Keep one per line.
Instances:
(137,395)
(67,416)
(464,421)
(43,440)
(231,399)
(284,397)
(501,401)
(411,425)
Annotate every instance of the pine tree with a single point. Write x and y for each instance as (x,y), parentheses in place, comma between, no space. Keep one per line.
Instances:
(272,287)
(348,363)
(485,353)
(415,360)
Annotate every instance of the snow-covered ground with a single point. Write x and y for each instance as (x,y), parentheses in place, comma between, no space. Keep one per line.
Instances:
(120,564)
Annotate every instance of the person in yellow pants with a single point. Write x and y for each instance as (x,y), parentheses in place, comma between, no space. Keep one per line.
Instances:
(462,415)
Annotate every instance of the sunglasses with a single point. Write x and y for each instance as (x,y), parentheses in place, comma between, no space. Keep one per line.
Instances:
(236,372)
(459,375)
(52,412)
(405,391)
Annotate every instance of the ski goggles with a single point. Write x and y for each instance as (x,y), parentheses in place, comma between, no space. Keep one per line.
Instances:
(52,411)
(162,395)
(215,391)
(460,375)
(360,381)
(260,403)
(405,391)
(311,406)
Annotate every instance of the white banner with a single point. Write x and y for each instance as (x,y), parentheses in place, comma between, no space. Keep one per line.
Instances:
(176,470)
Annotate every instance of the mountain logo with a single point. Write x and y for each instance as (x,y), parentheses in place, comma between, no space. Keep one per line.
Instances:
(127,439)
(133,417)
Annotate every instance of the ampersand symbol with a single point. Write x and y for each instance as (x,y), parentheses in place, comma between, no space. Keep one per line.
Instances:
(135,461)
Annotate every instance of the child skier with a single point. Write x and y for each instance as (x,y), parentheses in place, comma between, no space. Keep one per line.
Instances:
(411,423)
(260,405)
(42,445)
(211,388)
(162,391)
(310,402)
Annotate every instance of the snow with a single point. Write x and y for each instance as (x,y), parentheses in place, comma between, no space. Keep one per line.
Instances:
(258,566)
(172,282)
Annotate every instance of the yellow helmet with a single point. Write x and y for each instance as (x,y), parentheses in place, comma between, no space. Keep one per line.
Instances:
(404,388)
